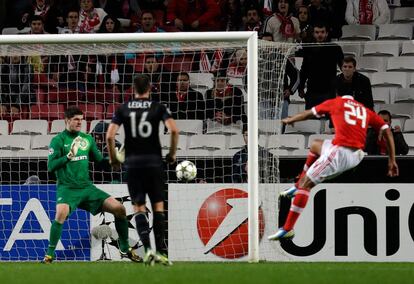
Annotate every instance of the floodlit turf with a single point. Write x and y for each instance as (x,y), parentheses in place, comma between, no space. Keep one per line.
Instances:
(212,273)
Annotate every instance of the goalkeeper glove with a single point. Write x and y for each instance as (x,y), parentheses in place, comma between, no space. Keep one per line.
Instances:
(74,147)
(120,154)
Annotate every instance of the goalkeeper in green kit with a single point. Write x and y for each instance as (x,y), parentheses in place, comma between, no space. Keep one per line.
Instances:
(69,155)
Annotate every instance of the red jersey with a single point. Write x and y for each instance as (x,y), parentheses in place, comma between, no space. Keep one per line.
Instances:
(350,119)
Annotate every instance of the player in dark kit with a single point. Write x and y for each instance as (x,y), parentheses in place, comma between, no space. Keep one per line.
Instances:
(141,118)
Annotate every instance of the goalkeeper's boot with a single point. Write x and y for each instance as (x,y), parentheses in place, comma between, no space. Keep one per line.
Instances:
(282,234)
(289,193)
(131,255)
(162,259)
(149,258)
(47,259)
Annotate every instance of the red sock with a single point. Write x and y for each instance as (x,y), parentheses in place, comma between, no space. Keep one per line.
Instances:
(298,204)
(312,157)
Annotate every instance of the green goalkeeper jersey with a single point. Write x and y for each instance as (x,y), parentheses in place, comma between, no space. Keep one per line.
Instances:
(72,173)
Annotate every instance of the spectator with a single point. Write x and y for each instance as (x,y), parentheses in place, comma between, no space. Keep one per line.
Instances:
(117,8)
(290,85)
(306,30)
(318,69)
(290,81)
(238,65)
(185,103)
(60,8)
(110,24)
(239,166)
(376,145)
(42,9)
(156,7)
(266,7)
(224,102)
(72,70)
(37,25)
(194,15)
(113,74)
(148,23)
(367,12)
(319,14)
(98,133)
(15,11)
(160,81)
(90,18)
(299,3)
(231,15)
(102,172)
(338,9)
(253,19)
(72,21)
(352,83)
(17,89)
(283,26)
(45,71)
(44,67)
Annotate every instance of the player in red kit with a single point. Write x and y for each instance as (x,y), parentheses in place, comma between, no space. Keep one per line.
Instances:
(329,158)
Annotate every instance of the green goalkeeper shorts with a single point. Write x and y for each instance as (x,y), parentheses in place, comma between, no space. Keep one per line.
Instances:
(89,198)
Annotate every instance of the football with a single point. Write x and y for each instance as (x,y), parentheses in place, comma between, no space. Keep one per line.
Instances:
(186,171)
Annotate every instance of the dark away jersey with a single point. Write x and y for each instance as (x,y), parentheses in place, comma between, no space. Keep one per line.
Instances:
(141,119)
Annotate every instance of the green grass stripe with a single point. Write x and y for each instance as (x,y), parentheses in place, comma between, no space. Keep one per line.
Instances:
(212,273)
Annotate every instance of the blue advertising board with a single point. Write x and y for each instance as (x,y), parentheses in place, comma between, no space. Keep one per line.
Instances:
(26,212)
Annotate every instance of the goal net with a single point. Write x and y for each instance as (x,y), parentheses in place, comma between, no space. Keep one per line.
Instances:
(223,89)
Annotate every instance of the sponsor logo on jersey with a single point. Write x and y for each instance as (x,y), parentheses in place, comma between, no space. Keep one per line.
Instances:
(83,144)
(79,158)
(51,151)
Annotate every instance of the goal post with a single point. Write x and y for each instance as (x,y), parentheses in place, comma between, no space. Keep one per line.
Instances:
(253,146)
(262,102)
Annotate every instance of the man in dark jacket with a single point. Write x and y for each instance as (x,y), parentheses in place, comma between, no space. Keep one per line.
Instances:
(376,145)
(239,167)
(224,102)
(290,80)
(351,82)
(184,102)
(102,172)
(318,69)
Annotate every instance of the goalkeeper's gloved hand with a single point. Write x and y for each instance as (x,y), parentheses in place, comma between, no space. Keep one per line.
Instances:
(120,153)
(74,147)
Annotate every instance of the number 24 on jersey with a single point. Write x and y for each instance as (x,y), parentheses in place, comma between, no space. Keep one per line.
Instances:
(354,113)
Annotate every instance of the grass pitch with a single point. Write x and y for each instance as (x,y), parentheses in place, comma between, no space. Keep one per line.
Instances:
(212,273)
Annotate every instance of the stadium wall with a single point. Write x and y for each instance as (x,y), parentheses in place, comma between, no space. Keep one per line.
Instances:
(343,222)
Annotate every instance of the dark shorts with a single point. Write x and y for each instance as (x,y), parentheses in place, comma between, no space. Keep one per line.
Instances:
(89,198)
(143,181)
